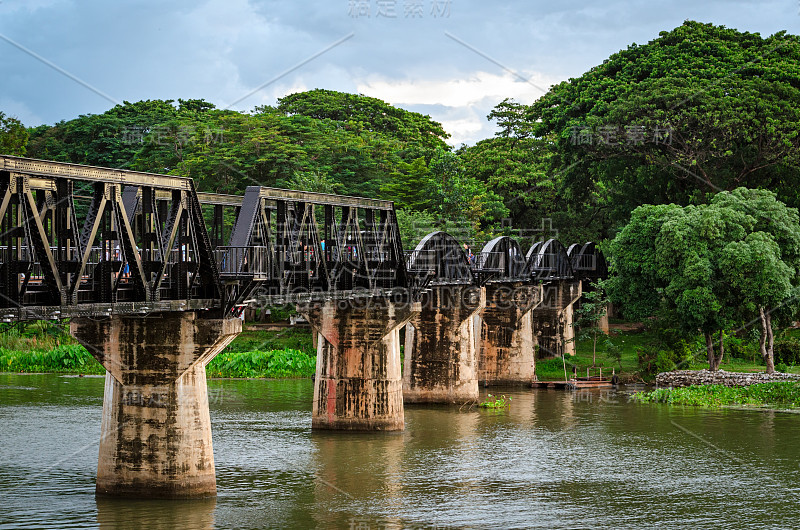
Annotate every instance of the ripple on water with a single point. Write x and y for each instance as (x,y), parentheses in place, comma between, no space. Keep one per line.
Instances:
(551,460)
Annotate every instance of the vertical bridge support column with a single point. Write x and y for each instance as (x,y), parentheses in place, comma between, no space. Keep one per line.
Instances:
(358,385)
(440,359)
(506,345)
(156,431)
(553,318)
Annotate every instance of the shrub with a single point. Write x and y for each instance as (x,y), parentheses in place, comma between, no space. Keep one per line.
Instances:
(787,351)
(781,367)
(654,359)
(273,363)
(614,352)
(779,393)
(64,358)
(740,348)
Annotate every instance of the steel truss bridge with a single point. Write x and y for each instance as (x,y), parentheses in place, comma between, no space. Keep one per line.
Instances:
(87,241)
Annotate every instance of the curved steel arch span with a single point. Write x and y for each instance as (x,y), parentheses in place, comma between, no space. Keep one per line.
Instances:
(548,260)
(588,261)
(501,259)
(439,259)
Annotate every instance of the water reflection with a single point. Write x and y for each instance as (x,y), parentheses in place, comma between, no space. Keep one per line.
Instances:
(115,513)
(356,473)
(553,459)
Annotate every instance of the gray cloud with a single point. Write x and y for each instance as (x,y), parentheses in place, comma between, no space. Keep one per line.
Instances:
(222,49)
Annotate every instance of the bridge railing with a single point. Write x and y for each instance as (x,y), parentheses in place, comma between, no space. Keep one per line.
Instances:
(584,262)
(96,256)
(490,261)
(430,260)
(447,265)
(418,261)
(254,262)
(549,265)
(499,265)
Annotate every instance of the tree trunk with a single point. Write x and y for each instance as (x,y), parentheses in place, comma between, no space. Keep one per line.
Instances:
(721,348)
(770,360)
(594,350)
(766,341)
(762,339)
(712,365)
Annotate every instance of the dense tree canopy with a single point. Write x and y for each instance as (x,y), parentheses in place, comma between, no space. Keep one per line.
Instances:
(700,109)
(360,113)
(13,136)
(319,140)
(714,267)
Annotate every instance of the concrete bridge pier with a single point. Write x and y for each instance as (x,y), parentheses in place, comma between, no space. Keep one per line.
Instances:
(156,430)
(553,318)
(506,354)
(358,385)
(440,357)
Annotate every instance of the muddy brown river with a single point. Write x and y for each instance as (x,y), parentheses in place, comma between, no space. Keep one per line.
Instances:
(554,459)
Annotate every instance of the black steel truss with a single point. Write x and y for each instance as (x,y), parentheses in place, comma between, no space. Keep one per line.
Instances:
(287,244)
(79,240)
(124,238)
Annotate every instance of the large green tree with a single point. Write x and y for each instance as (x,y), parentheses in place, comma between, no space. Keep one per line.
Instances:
(514,165)
(355,143)
(115,137)
(700,109)
(13,136)
(360,114)
(713,267)
(762,271)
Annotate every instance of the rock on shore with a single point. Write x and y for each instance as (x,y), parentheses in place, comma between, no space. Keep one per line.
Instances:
(680,378)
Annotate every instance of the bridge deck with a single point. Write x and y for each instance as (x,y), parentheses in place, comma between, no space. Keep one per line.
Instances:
(80,240)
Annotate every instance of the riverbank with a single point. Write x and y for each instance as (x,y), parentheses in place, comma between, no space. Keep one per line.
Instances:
(779,394)
(632,351)
(253,354)
(74,359)
(682,378)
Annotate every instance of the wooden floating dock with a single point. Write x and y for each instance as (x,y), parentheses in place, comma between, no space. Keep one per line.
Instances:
(590,381)
(574,384)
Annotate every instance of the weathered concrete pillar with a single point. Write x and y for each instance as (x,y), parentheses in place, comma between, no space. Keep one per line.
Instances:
(506,347)
(358,384)
(440,357)
(552,320)
(156,430)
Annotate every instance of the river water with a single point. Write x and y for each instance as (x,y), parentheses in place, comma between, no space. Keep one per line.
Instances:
(554,459)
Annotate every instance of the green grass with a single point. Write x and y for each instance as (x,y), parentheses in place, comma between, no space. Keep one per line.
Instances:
(291,338)
(42,347)
(75,359)
(776,394)
(272,364)
(70,358)
(553,370)
(629,342)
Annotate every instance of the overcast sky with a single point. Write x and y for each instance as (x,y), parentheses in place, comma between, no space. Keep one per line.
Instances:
(452,59)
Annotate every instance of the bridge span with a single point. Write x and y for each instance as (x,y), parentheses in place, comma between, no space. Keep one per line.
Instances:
(153,276)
